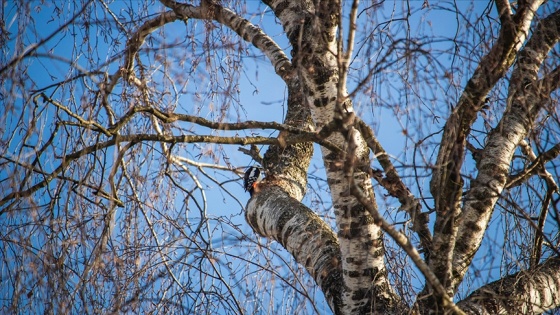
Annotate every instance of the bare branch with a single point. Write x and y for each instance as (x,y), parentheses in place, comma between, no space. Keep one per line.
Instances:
(525,100)
(33,47)
(446,184)
(241,26)
(137,138)
(539,230)
(537,166)
(137,39)
(396,188)
(550,82)
(411,251)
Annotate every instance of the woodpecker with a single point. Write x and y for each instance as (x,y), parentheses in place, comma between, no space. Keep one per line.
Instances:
(251,179)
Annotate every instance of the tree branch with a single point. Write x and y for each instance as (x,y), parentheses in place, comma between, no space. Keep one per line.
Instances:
(410,250)
(551,81)
(396,188)
(537,166)
(137,39)
(539,230)
(244,28)
(137,138)
(525,100)
(526,292)
(447,184)
(505,13)
(273,214)
(33,47)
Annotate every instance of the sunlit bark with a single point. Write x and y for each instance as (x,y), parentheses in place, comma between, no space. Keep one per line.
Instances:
(348,262)
(526,98)
(311,29)
(526,292)
(446,184)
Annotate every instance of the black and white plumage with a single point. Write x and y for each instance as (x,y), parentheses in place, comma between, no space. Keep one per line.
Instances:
(251,179)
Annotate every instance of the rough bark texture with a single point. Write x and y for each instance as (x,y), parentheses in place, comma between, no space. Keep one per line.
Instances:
(446,184)
(287,165)
(273,213)
(525,100)
(311,29)
(526,292)
(348,264)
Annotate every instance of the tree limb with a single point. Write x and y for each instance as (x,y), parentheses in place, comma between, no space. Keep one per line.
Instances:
(273,214)
(137,138)
(410,250)
(244,28)
(526,292)
(525,100)
(396,188)
(537,166)
(446,184)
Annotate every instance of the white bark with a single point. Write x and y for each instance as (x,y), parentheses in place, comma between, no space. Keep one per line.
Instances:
(274,214)
(311,31)
(241,26)
(524,102)
(446,185)
(527,292)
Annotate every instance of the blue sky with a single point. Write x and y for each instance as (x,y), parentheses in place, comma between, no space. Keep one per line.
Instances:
(258,94)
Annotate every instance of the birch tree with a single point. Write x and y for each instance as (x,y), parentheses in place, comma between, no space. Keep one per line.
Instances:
(125,124)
